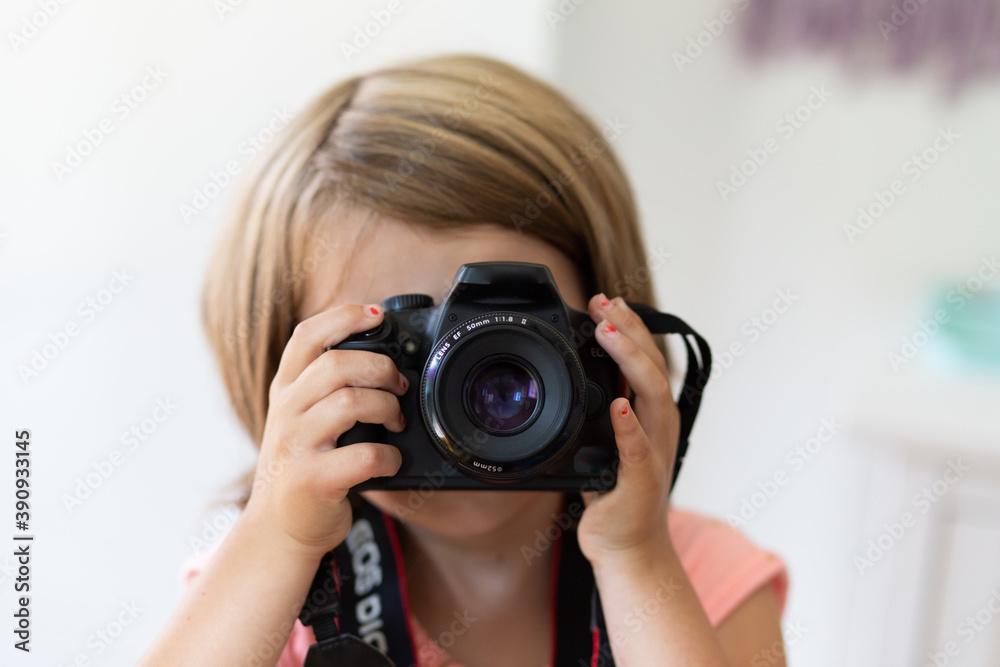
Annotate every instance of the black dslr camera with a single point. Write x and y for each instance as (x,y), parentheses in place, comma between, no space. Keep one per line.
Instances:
(508,386)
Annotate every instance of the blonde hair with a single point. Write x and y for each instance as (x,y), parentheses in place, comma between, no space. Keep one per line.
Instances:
(443,142)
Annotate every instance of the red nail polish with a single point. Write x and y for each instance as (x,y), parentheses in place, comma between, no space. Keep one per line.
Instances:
(404,421)
(373,310)
(610,328)
(625,411)
(605,303)
(405,383)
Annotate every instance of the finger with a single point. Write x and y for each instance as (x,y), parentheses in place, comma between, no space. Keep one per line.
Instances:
(637,467)
(328,419)
(346,467)
(629,323)
(336,369)
(640,370)
(653,398)
(312,336)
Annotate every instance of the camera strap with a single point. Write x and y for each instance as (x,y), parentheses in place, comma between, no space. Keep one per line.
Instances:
(699,368)
(357,603)
(359,609)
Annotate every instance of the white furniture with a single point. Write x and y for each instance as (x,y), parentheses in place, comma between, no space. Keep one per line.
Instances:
(934,596)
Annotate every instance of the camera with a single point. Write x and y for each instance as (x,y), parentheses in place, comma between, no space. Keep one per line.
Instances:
(509,389)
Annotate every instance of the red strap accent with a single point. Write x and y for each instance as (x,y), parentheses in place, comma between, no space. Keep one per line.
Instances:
(597,647)
(397,552)
(553,597)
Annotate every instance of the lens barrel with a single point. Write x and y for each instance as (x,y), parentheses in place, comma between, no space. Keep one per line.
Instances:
(503,396)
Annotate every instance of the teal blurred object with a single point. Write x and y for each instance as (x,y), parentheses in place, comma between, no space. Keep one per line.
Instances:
(973,326)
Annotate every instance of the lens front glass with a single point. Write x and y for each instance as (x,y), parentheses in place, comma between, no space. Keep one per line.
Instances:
(502,395)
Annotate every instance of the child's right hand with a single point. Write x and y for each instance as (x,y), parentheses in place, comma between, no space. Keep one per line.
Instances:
(299,494)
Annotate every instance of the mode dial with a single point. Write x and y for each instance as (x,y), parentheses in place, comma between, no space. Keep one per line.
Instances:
(406,301)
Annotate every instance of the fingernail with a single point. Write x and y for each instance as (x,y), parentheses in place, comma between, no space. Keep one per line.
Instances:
(609,329)
(402,382)
(625,410)
(404,421)
(371,310)
(604,302)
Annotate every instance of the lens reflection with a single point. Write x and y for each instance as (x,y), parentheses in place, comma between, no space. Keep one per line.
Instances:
(502,396)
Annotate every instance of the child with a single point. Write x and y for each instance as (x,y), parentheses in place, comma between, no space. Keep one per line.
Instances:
(385,185)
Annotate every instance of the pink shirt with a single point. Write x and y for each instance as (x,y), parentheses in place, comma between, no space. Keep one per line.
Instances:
(724,567)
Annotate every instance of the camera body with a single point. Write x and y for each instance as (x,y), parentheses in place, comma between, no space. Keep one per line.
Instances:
(509,388)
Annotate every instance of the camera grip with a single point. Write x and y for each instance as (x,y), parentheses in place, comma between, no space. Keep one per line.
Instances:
(361,432)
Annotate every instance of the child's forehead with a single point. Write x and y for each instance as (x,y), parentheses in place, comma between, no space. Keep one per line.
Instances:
(383,258)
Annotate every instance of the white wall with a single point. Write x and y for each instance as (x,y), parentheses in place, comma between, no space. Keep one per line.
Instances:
(784,229)
(61,241)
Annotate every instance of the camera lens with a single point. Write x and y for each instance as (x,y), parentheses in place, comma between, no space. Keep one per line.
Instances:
(502,395)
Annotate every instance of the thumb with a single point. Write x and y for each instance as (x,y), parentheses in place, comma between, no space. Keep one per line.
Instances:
(635,453)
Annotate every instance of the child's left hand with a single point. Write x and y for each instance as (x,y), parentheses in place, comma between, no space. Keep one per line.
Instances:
(628,525)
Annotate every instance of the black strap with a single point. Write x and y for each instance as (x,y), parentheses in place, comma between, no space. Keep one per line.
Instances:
(369,639)
(574,582)
(581,637)
(699,368)
(372,608)
(371,554)
(344,650)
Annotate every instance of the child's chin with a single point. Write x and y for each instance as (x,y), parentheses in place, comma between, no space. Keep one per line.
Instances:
(456,513)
